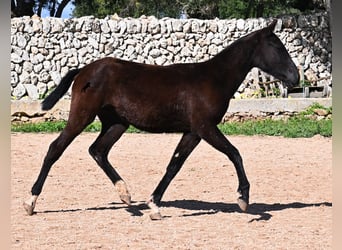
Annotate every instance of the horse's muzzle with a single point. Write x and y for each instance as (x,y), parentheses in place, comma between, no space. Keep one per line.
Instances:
(292,79)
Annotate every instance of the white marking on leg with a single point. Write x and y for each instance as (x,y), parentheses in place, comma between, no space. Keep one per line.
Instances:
(30,204)
(153,206)
(123,192)
(155,213)
(242,204)
(176,155)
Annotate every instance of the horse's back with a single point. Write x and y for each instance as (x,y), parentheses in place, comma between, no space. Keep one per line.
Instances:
(146,96)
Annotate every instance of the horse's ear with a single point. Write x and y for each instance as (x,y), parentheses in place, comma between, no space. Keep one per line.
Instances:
(272,25)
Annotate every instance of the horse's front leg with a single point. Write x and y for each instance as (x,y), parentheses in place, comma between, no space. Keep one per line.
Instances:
(214,137)
(186,145)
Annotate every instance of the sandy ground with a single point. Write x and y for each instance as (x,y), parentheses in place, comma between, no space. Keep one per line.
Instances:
(291,195)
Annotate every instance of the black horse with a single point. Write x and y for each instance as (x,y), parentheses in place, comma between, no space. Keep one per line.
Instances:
(188,98)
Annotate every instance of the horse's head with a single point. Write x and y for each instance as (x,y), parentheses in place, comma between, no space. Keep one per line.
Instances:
(271,56)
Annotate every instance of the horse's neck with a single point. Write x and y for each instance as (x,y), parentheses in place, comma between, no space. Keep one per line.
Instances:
(234,63)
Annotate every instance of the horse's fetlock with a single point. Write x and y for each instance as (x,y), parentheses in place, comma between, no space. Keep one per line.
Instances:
(245,187)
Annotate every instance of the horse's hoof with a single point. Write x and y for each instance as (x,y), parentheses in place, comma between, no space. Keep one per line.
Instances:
(156,216)
(123,192)
(126,199)
(28,208)
(30,204)
(242,204)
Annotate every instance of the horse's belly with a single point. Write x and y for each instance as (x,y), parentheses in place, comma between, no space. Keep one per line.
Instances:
(158,122)
(173,124)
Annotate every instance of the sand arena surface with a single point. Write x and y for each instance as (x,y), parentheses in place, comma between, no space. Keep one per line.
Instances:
(290,197)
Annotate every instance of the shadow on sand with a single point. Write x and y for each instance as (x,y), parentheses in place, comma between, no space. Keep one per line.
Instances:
(203,208)
(260,209)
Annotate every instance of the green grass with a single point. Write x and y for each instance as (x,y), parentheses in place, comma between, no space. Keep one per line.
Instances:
(311,110)
(293,127)
(57,126)
(298,126)
(48,127)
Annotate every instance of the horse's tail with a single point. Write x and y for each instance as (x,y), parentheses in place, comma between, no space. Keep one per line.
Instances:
(61,89)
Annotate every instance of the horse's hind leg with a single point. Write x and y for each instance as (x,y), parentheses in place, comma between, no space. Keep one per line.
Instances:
(99,150)
(215,138)
(186,145)
(56,149)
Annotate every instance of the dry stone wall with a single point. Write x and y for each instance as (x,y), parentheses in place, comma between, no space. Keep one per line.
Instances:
(44,49)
